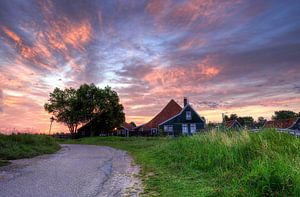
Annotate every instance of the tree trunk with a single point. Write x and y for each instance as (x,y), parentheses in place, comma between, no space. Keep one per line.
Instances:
(71,129)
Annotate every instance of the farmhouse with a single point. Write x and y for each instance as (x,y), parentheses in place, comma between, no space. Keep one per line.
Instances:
(172,119)
(233,124)
(92,128)
(186,122)
(151,127)
(124,129)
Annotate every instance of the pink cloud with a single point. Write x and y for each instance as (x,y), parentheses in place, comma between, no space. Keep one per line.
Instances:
(170,76)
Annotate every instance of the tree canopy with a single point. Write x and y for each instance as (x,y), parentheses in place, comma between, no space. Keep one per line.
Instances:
(284,114)
(75,107)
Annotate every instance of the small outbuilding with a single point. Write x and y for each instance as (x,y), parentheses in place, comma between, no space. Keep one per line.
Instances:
(124,129)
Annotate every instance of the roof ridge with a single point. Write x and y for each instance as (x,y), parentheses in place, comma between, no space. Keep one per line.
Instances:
(171,104)
(166,106)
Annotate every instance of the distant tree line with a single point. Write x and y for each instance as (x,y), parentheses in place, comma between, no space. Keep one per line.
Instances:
(75,107)
(250,122)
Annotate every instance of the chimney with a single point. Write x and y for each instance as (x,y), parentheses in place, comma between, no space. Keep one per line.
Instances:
(185,101)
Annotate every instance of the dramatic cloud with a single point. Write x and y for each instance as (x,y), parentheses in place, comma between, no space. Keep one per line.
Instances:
(235,56)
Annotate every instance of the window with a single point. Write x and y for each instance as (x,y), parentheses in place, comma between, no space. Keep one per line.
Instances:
(193,128)
(168,128)
(185,129)
(153,131)
(188,115)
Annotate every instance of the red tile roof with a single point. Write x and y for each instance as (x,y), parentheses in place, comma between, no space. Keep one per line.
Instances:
(127,126)
(170,110)
(280,124)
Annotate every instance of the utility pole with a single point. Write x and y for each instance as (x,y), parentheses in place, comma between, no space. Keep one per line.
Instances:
(51,121)
(223,119)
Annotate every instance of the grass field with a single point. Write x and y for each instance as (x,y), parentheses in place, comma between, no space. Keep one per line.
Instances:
(25,146)
(214,163)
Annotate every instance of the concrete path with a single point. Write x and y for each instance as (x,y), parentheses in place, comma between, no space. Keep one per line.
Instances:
(76,170)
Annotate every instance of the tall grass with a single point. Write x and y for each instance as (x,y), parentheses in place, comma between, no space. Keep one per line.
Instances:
(25,145)
(237,163)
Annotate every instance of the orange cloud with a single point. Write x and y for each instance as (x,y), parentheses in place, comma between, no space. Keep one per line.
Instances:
(171,76)
(210,71)
(25,51)
(12,35)
(64,32)
(31,53)
(187,13)
(62,35)
(78,34)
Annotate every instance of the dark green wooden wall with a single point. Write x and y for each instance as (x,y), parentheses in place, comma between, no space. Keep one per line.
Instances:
(177,121)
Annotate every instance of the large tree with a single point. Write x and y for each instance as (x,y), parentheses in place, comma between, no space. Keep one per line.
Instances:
(76,107)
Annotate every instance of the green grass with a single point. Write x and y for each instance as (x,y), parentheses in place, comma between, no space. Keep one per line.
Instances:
(214,163)
(25,146)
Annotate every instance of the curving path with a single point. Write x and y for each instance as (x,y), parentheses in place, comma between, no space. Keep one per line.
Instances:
(76,170)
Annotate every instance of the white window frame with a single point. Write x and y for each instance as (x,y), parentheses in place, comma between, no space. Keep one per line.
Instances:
(185,129)
(188,115)
(193,128)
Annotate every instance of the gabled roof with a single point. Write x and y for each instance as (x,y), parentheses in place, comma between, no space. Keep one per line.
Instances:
(229,124)
(127,126)
(280,124)
(170,110)
(187,105)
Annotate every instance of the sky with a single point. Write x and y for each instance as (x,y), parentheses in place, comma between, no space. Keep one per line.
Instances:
(233,56)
